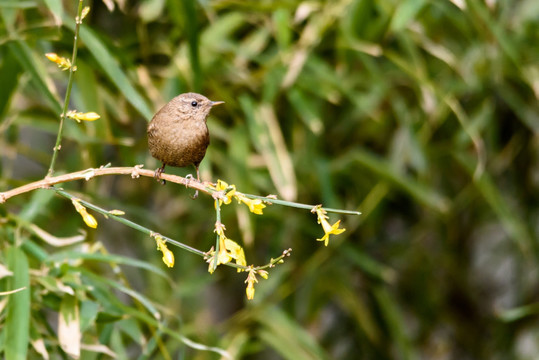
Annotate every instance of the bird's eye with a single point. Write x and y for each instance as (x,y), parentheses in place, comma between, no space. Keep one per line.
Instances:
(194,104)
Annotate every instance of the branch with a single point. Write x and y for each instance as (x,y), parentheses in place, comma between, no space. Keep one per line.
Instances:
(137,171)
(88,174)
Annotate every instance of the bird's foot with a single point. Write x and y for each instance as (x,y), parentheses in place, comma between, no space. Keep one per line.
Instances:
(157,174)
(190,178)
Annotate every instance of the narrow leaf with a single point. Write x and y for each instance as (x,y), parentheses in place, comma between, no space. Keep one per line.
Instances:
(17,323)
(111,68)
(69,334)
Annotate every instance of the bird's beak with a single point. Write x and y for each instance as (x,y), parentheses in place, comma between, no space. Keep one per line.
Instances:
(213,103)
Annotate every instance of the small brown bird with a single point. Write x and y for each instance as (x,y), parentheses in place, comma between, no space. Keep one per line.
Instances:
(178,134)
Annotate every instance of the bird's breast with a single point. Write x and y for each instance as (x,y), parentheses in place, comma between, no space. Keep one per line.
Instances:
(178,144)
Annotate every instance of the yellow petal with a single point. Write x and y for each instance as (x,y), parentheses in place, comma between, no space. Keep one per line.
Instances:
(89,219)
(255,205)
(324,238)
(62,62)
(250,291)
(236,252)
(168,257)
(223,257)
(89,116)
(221,185)
(85,12)
(53,57)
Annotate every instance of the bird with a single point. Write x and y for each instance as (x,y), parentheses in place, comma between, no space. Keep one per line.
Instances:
(178,134)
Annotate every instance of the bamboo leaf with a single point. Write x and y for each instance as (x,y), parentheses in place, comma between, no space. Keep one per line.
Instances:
(267,137)
(36,69)
(406,11)
(424,194)
(17,323)
(110,67)
(69,334)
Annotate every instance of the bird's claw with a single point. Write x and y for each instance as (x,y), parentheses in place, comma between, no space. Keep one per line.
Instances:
(190,178)
(157,175)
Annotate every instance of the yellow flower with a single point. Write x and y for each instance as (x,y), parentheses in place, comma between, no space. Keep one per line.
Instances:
(251,280)
(85,12)
(228,250)
(236,252)
(250,291)
(168,256)
(255,205)
(62,62)
(78,116)
(223,256)
(88,218)
(328,229)
(226,190)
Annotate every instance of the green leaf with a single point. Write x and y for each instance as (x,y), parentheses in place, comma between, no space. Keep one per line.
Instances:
(395,322)
(116,259)
(422,192)
(88,314)
(287,337)
(367,264)
(519,313)
(110,67)
(10,70)
(126,290)
(406,12)
(268,139)
(151,10)
(55,7)
(192,34)
(37,204)
(38,74)
(17,323)
(510,219)
(307,109)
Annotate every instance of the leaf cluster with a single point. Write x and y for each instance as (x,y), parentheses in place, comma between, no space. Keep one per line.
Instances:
(423,112)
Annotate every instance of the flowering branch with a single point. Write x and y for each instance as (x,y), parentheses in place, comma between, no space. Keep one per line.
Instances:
(137,171)
(72,68)
(161,240)
(225,250)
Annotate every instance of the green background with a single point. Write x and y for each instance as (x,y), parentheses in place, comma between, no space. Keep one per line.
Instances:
(423,115)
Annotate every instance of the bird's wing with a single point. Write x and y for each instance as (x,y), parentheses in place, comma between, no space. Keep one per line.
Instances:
(151,129)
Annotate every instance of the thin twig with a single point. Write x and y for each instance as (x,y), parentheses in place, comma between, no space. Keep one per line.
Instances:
(72,69)
(299,205)
(217,223)
(150,233)
(130,223)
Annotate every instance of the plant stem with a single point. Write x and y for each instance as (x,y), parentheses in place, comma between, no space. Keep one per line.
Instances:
(129,223)
(218,223)
(299,205)
(151,233)
(72,70)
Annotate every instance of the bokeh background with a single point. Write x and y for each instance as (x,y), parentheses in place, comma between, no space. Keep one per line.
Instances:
(421,114)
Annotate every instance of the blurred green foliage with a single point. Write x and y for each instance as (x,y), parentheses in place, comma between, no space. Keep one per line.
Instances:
(421,114)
